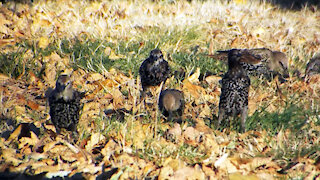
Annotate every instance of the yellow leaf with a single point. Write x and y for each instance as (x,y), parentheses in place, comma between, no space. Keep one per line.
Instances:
(15,133)
(33,105)
(165,173)
(239,176)
(43,42)
(189,173)
(49,146)
(58,149)
(113,56)
(94,77)
(194,78)
(224,163)
(3,77)
(95,138)
(240,1)
(30,141)
(194,90)
(213,79)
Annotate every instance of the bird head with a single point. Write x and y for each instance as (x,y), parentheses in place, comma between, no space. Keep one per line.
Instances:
(156,54)
(64,87)
(63,83)
(279,63)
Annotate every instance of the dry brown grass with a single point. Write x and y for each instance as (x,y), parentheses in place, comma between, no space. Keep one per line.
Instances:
(284,137)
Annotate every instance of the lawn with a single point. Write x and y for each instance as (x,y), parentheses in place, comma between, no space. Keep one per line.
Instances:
(102,44)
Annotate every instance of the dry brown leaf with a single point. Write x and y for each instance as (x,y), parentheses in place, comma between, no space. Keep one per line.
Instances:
(175,164)
(108,83)
(94,139)
(191,135)
(205,112)
(46,169)
(49,146)
(92,77)
(113,56)
(10,156)
(109,149)
(194,90)
(174,132)
(15,134)
(213,79)
(194,78)
(5,42)
(118,98)
(43,42)
(239,176)
(68,156)
(3,77)
(166,172)
(224,163)
(189,173)
(33,105)
(58,149)
(33,140)
(19,109)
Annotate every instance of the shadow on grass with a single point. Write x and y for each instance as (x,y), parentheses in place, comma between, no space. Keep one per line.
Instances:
(292,117)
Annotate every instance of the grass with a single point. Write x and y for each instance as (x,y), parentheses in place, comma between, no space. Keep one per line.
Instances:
(186,32)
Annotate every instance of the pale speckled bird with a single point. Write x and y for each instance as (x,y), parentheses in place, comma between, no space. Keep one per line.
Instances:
(171,103)
(154,70)
(235,87)
(313,66)
(65,105)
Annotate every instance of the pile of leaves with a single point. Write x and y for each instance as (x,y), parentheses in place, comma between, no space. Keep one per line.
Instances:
(123,138)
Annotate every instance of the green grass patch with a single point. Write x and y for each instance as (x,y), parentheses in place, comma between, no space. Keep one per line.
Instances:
(292,117)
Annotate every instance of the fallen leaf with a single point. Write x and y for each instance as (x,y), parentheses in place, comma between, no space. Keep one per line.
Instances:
(165,173)
(15,134)
(94,139)
(194,78)
(92,77)
(33,105)
(239,176)
(3,77)
(43,42)
(189,173)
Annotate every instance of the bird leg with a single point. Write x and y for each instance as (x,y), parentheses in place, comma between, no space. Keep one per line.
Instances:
(221,116)
(244,115)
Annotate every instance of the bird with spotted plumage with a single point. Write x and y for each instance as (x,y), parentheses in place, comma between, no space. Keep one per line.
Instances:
(64,103)
(154,70)
(171,103)
(235,87)
(313,66)
(272,64)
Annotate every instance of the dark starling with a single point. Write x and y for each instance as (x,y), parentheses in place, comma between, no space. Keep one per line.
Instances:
(64,105)
(313,66)
(154,70)
(235,87)
(171,103)
(273,63)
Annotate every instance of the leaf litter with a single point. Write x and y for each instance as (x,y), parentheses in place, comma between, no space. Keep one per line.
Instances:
(144,145)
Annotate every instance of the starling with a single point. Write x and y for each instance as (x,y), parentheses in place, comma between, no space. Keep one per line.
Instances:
(171,103)
(154,70)
(273,63)
(64,105)
(235,86)
(313,66)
